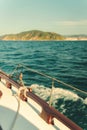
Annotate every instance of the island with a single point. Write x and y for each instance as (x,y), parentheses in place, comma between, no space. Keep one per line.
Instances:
(37,35)
(32,35)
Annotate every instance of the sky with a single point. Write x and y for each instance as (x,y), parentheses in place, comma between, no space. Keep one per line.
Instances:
(66,17)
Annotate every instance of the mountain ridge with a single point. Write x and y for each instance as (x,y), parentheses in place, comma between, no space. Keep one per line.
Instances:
(33,35)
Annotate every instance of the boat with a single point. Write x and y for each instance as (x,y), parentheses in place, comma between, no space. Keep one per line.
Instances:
(22,109)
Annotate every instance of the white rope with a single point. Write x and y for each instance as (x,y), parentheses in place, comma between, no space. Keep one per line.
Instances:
(14,71)
(17,112)
(25,90)
(22,87)
(17,96)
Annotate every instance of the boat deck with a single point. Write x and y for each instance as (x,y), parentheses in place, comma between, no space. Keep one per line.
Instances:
(16,114)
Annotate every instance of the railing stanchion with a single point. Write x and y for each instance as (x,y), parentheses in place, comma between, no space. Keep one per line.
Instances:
(50,100)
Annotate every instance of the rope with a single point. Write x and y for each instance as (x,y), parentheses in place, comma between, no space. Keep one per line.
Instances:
(15,118)
(23,86)
(15,70)
(25,90)
(17,96)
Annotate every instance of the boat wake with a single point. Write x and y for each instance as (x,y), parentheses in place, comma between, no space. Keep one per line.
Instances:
(65,101)
(71,102)
(58,93)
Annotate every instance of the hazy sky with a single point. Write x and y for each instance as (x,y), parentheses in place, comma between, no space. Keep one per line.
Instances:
(60,16)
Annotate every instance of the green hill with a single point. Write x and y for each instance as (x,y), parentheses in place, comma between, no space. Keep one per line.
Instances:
(33,35)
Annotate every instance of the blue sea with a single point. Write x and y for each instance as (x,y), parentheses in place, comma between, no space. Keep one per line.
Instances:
(64,60)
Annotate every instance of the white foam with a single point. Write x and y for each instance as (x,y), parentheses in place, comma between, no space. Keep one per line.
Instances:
(58,93)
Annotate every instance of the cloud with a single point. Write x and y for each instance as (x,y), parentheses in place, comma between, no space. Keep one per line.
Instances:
(72,23)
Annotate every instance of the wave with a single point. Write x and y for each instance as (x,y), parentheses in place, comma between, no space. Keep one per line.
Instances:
(63,60)
(58,93)
(65,101)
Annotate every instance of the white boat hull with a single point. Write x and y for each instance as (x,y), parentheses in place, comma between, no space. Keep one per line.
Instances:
(16,114)
(28,114)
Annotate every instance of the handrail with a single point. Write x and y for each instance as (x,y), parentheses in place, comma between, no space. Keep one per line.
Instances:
(49,110)
(7,78)
(53,79)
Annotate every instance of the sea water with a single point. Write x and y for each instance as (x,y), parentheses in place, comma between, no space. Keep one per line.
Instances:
(64,60)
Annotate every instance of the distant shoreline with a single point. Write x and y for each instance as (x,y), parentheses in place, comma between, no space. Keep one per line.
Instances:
(76,39)
(41,40)
(37,35)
